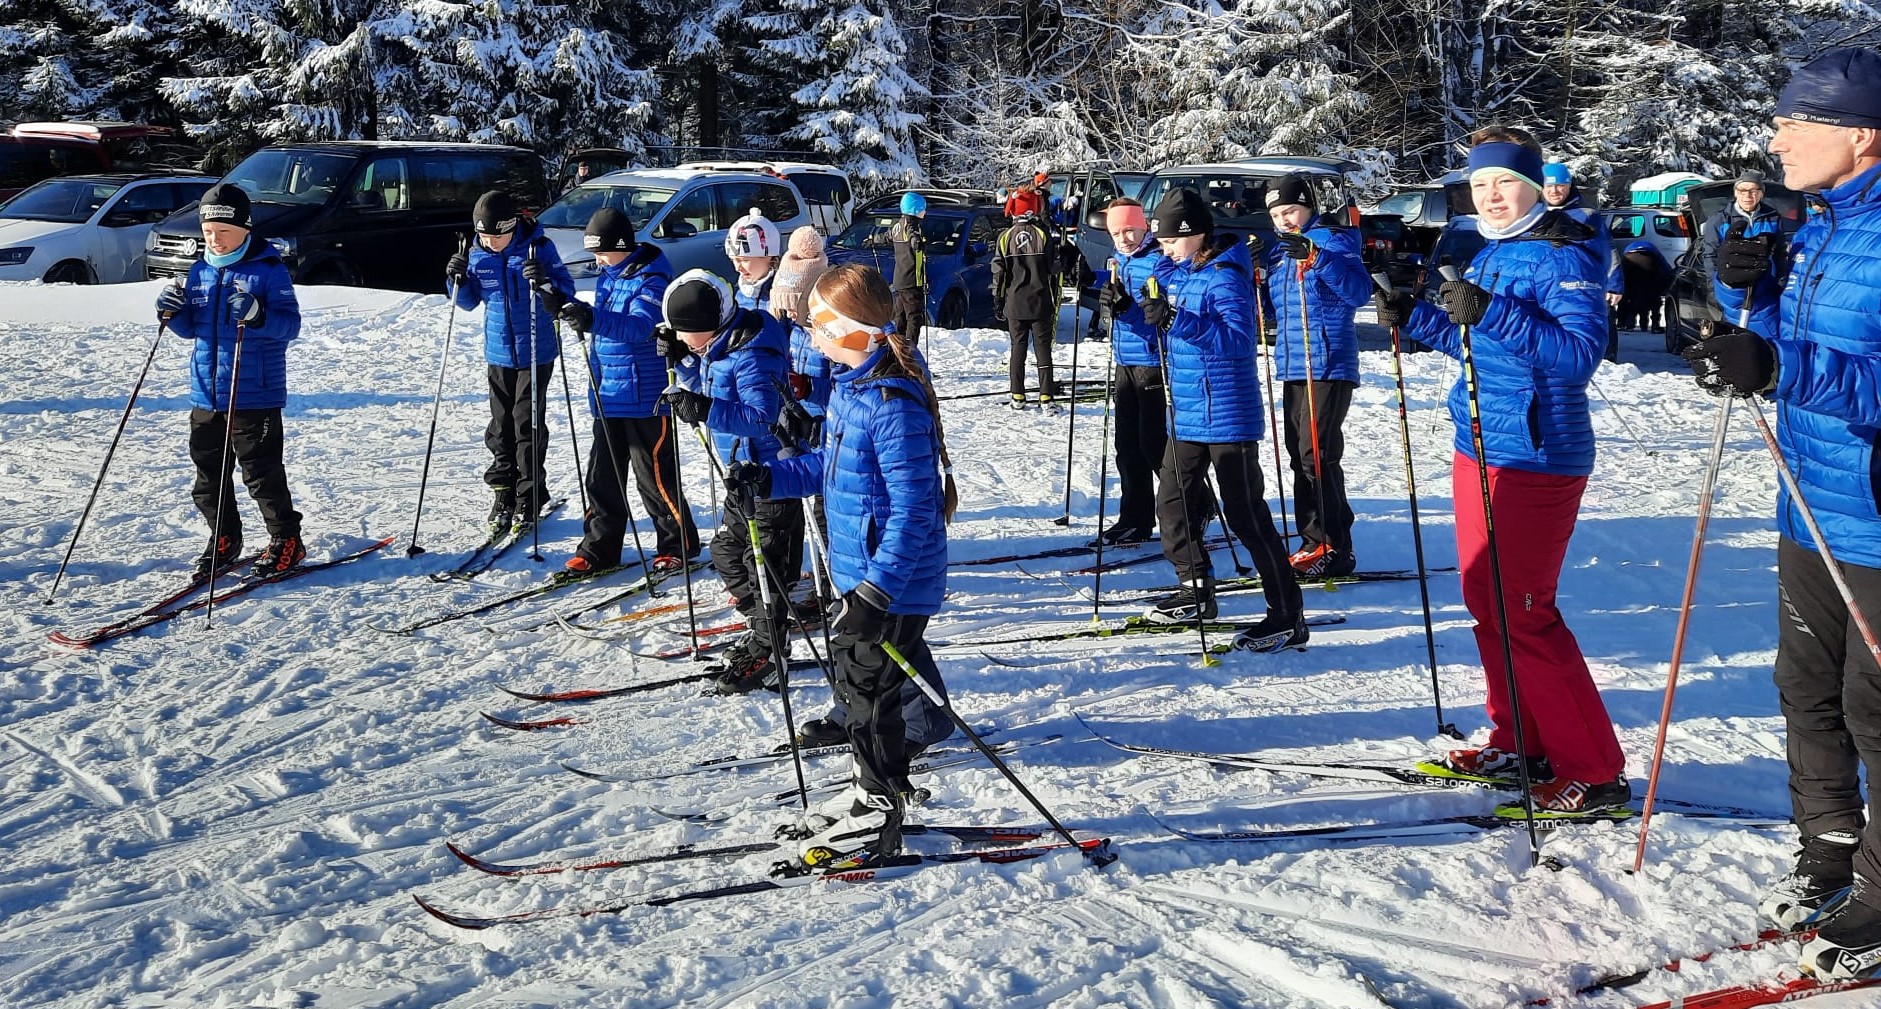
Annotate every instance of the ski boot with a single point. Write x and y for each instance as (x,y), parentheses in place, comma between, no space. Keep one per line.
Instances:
(1568,797)
(1848,945)
(218,556)
(282,555)
(1275,632)
(1185,605)
(1817,886)
(1487,764)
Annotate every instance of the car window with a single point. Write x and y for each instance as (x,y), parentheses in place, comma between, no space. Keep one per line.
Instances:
(1625,225)
(579,204)
(868,232)
(1233,198)
(940,236)
(984,229)
(302,178)
(1669,226)
(735,200)
(382,187)
(21,165)
(1457,246)
(150,202)
(828,190)
(1406,204)
(184,193)
(60,200)
(445,181)
(695,208)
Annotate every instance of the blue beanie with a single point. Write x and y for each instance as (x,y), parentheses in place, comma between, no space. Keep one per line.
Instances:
(1842,87)
(1500,155)
(913,204)
(1554,173)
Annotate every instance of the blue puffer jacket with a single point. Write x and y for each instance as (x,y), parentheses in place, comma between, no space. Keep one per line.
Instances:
(758,300)
(1602,242)
(1535,350)
(497,283)
(1211,348)
(1133,340)
(1828,353)
(745,374)
(879,474)
(626,308)
(1767,293)
(809,362)
(1335,286)
(262,384)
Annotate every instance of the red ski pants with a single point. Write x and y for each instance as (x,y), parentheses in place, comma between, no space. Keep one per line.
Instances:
(1563,717)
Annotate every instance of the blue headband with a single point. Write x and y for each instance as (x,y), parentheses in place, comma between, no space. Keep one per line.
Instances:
(1517,160)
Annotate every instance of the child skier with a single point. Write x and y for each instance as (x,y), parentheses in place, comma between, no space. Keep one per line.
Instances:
(631,425)
(511,264)
(754,247)
(730,365)
(239,294)
(884,479)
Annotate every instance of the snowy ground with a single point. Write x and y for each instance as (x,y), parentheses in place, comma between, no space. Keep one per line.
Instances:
(238,816)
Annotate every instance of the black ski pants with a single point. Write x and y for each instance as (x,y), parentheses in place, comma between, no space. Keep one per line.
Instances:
(1142,428)
(643,445)
(1040,333)
(1830,691)
(1321,479)
(869,685)
(780,527)
(910,312)
(1184,482)
(517,459)
(255,441)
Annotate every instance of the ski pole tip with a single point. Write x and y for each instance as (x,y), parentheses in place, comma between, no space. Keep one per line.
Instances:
(414,550)
(1209,661)
(1062,520)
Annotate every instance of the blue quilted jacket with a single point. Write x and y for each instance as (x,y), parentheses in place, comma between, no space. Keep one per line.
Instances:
(879,472)
(809,362)
(1828,351)
(1211,348)
(626,308)
(1133,339)
(744,371)
(262,384)
(1535,350)
(497,283)
(1335,286)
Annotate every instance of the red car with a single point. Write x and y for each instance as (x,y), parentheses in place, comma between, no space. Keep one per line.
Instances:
(36,151)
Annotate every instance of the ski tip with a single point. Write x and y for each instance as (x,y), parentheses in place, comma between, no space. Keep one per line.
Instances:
(448,918)
(1099,851)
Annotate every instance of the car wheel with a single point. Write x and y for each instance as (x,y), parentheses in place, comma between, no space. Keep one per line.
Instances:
(953,311)
(69,272)
(333,272)
(1674,327)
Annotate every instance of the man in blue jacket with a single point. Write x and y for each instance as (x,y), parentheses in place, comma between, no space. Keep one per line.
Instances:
(1316,278)
(1559,192)
(511,265)
(239,293)
(1136,349)
(1818,353)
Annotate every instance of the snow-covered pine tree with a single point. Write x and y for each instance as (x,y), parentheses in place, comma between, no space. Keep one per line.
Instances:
(855,101)
(86,59)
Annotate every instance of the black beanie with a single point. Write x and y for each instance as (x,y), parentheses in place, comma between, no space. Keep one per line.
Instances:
(1290,190)
(1180,214)
(495,213)
(225,203)
(698,304)
(609,230)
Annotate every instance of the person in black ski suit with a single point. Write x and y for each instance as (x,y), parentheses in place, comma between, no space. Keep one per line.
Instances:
(1025,295)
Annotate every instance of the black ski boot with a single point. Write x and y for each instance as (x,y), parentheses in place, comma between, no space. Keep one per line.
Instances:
(218,556)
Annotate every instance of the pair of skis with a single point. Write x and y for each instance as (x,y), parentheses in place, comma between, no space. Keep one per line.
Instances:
(500,542)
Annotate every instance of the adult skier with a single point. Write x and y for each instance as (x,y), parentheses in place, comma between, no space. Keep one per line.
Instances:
(1534,307)
(1135,347)
(238,291)
(1025,296)
(1818,352)
(1316,279)
(910,285)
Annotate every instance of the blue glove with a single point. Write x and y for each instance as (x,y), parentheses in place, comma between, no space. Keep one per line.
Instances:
(243,308)
(171,300)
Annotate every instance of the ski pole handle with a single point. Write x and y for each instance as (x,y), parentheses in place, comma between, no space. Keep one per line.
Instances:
(1448,272)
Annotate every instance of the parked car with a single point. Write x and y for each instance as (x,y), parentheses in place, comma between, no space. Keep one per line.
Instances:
(958,235)
(1690,299)
(26,160)
(360,213)
(1456,246)
(34,151)
(1383,240)
(89,229)
(1130,183)
(684,211)
(1663,227)
(825,190)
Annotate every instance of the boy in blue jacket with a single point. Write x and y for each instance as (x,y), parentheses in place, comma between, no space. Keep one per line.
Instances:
(1317,280)
(631,425)
(511,264)
(238,295)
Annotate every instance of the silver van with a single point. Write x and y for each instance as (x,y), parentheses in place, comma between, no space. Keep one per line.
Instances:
(684,211)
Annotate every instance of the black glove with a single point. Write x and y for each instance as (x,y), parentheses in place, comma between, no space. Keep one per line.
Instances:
(667,344)
(578,315)
(861,618)
(689,406)
(1394,307)
(1297,246)
(1733,362)
(1160,313)
(999,310)
(244,308)
(796,425)
(1464,302)
(745,483)
(457,271)
(537,276)
(1742,262)
(1115,298)
(171,300)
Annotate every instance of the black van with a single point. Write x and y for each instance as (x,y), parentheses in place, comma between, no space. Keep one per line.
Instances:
(360,213)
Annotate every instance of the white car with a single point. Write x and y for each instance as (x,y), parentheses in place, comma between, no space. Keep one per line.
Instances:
(89,229)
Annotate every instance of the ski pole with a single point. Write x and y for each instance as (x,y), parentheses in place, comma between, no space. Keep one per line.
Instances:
(1495,579)
(1312,417)
(112,450)
(1077,337)
(1266,352)
(437,399)
(682,512)
(819,559)
(1099,855)
(223,492)
(568,400)
(613,454)
(538,419)
(1624,423)
(1197,538)
(1103,463)
(1712,462)
(1417,526)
